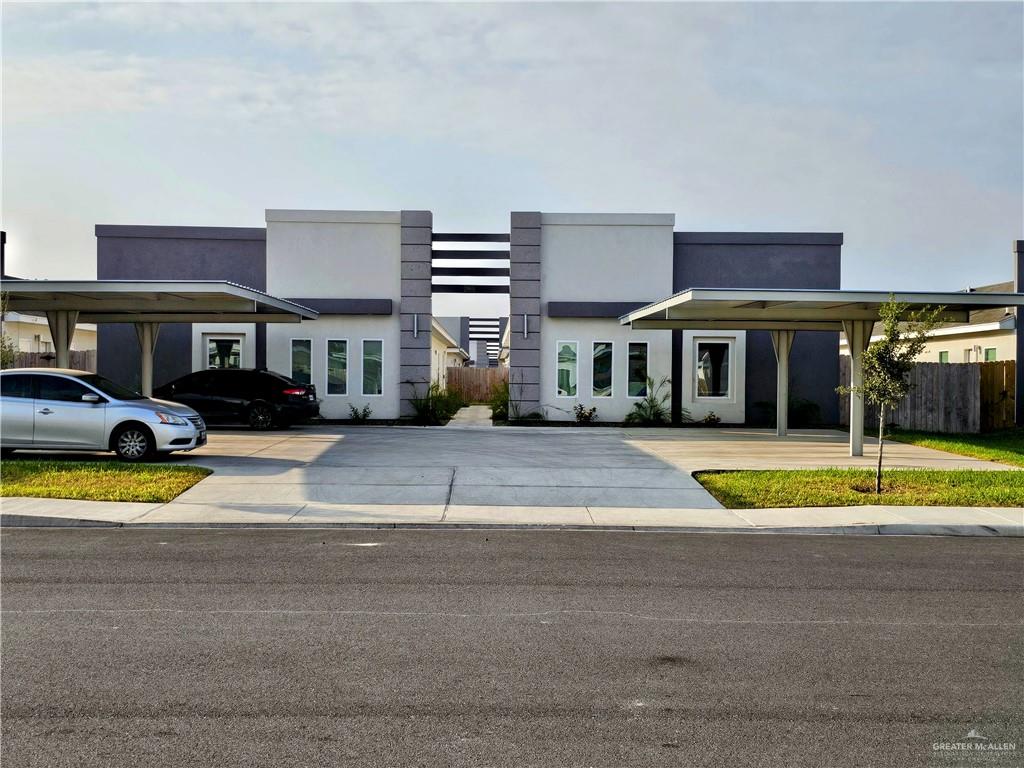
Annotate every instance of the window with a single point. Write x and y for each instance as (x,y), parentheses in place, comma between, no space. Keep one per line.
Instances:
(944,357)
(967,355)
(637,369)
(64,390)
(566,386)
(16,385)
(373,367)
(712,363)
(302,353)
(990,354)
(601,385)
(224,352)
(337,367)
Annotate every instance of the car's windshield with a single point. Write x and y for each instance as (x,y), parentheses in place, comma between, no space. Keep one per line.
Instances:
(107,387)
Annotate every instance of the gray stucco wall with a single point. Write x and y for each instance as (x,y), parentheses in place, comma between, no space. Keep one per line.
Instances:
(172,253)
(415,307)
(767,260)
(524,311)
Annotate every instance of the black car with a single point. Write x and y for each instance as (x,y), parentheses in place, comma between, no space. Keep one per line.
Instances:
(260,398)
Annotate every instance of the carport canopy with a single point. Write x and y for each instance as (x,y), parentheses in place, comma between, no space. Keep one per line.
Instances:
(146,304)
(783,312)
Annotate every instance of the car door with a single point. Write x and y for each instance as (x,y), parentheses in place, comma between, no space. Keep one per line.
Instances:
(17,409)
(191,391)
(63,419)
(232,392)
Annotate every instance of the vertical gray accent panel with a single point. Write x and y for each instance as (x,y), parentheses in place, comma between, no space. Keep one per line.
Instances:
(524,248)
(415,308)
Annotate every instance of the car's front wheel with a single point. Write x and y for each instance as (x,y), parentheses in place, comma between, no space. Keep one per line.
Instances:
(133,442)
(261,416)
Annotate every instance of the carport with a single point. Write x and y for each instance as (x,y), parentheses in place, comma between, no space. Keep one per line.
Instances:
(784,312)
(146,304)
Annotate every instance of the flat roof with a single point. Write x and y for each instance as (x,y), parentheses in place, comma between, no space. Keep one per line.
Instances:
(159,301)
(180,233)
(799,309)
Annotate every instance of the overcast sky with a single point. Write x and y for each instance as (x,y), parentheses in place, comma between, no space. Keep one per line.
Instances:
(898,124)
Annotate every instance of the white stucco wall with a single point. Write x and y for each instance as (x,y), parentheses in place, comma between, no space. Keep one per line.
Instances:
(731,409)
(606,257)
(354,329)
(334,254)
(585,333)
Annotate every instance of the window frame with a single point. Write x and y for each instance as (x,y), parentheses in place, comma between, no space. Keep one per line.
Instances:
(362,368)
(995,354)
(327,368)
(611,370)
(205,340)
(291,358)
(943,352)
(647,365)
(558,347)
(730,342)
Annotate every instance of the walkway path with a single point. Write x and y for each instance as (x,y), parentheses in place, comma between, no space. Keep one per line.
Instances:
(472,416)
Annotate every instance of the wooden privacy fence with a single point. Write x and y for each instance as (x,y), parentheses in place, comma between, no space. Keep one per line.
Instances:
(476,384)
(947,397)
(80,359)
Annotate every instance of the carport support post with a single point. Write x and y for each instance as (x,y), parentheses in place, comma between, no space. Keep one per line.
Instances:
(782,341)
(858,336)
(147,333)
(62,330)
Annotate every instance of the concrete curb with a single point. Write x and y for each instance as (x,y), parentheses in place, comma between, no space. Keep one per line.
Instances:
(1009,531)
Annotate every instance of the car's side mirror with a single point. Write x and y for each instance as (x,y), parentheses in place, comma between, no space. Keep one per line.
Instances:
(90,398)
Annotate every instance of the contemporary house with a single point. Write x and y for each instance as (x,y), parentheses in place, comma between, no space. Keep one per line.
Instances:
(569,278)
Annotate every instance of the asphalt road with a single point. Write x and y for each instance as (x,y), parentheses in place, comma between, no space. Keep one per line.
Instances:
(506,648)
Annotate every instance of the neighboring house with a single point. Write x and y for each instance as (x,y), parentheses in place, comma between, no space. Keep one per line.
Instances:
(445,352)
(32,334)
(570,277)
(989,336)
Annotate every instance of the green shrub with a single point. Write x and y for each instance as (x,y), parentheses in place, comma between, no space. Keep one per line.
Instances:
(583,414)
(436,406)
(499,402)
(652,410)
(359,414)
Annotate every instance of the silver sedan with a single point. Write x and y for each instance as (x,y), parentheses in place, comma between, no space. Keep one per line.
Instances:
(61,409)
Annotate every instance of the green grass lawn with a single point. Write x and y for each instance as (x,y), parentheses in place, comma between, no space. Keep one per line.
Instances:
(1005,446)
(754,489)
(96,480)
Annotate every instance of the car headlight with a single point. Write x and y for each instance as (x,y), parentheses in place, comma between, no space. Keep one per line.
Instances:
(170,418)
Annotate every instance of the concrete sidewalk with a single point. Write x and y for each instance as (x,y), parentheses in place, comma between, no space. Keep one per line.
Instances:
(964,521)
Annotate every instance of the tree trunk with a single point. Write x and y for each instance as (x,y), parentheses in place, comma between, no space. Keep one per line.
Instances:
(881,440)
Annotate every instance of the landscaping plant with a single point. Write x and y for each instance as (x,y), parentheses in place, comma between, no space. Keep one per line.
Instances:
(888,362)
(583,414)
(436,406)
(499,401)
(653,410)
(359,414)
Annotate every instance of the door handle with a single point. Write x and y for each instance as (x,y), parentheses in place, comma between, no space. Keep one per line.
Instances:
(46,411)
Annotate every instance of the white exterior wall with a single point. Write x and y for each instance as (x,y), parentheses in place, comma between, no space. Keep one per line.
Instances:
(602,258)
(338,255)
(585,332)
(353,329)
(731,409)
(963,346)
(22,330)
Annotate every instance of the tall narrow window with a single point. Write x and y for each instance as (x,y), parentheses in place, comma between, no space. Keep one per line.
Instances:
(302,350)
(337,367)
(602,378)
(637,384)
(373,367)
(224,352)
(944,356)
(567,369)
(712,369)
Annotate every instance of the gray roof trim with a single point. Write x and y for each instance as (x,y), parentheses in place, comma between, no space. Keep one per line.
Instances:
(597,309)
(758,238)
(181,233)
(348,306)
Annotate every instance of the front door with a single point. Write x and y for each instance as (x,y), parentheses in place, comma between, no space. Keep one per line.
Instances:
(62,420)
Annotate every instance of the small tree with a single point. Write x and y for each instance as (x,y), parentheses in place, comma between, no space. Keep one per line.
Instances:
(888,362)
(8,352)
